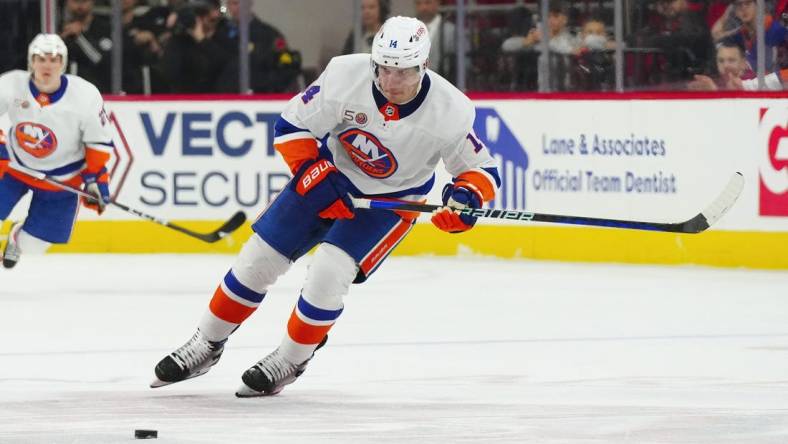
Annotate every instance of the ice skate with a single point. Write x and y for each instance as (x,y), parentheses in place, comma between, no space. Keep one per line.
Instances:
(270,375)
(192,359)
(12,252)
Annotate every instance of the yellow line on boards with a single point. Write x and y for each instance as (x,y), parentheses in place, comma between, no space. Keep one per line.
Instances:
(752,249)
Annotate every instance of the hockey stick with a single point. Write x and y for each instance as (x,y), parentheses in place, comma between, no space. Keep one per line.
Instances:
(697,224)
(228,227)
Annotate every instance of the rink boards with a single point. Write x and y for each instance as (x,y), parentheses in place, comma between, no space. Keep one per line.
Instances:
(626,157)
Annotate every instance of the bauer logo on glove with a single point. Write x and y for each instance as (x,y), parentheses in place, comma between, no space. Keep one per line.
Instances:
(314,175)
(324,189)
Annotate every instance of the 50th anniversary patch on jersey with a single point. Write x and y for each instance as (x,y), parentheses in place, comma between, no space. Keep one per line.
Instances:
(366,151)
(359,118)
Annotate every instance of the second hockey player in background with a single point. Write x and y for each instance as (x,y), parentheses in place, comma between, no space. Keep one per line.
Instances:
(58,128)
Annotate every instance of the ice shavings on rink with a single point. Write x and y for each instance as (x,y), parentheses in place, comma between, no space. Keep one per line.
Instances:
(429,350)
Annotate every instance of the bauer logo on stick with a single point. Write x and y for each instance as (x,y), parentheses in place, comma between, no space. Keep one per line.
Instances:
(498,214)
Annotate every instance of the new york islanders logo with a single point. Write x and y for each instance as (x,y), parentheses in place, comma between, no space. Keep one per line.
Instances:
(36,139)
(366,151)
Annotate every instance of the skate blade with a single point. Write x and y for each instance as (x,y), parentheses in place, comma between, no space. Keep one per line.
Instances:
(159,383)
(245,391)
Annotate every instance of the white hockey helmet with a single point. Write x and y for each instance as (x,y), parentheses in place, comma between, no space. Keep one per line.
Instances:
(402,42)
(47,44)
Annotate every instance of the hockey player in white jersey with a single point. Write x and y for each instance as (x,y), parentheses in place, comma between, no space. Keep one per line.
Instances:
(386,121)
(59,128)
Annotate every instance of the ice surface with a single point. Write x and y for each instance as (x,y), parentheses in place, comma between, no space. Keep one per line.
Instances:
(429,350)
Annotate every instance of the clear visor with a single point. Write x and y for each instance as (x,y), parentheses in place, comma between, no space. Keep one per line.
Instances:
(398,76)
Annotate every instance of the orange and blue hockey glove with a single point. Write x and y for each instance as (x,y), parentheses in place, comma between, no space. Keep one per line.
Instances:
(97,185)
(455,198)
(324,188)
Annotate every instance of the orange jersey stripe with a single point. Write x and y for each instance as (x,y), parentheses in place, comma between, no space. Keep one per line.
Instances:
(296,151)
(303,333)
(227,309)
(478,182)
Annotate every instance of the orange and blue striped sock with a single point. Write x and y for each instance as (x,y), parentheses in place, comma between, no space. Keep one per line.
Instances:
(231,304)
(308,325)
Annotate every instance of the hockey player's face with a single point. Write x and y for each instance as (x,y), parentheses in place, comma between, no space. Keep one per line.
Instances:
(46,67)
(398,85)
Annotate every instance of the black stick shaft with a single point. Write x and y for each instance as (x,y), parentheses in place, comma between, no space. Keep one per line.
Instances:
(696,224)
(497,213)
(228,227)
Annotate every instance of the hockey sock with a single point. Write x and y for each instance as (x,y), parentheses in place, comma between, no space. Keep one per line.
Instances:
(242,289)
(28,243)
(231,304)
(308,325)
(320,303)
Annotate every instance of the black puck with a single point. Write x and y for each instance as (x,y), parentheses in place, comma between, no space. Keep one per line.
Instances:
(146,434)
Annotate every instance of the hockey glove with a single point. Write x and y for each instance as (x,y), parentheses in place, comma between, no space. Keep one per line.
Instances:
(456,197)
(4,157)
(97,185)
(324,189)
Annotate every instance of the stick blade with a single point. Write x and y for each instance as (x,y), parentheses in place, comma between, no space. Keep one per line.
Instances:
(227,228)
(717,208)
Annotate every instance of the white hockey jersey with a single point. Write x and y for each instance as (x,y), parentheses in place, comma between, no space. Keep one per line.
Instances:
(383,148)
(50,132)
